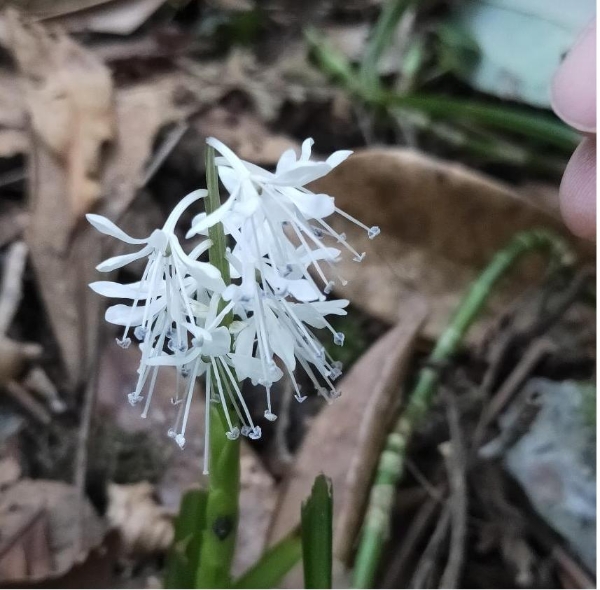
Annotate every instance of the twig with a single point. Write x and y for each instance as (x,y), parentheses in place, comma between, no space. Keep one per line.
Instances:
(411,540)
(169,144)
(392,461)
(12,280)
(533,355)
(22,397)
(455,459)
(424,569)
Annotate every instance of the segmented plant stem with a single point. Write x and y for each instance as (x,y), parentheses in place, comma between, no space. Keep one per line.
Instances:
(218,539)
(391,463)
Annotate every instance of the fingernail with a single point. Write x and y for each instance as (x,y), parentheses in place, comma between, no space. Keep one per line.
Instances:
(574,84)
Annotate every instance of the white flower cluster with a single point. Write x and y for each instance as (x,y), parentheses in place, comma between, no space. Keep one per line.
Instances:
(279,238)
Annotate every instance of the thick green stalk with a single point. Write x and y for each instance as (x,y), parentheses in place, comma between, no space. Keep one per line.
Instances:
(391,463)
(218,538)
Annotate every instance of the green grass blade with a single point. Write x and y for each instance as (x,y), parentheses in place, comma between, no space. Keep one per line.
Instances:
(537,126)
(182,560)
(270,569)
(317,534)
(381,37)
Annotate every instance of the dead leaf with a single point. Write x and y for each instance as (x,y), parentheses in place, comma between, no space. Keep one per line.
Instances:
(64,257)
(146,528)
(38,538)
(245,134)
(117,18)
(346,438)
(441,223)
(69,97)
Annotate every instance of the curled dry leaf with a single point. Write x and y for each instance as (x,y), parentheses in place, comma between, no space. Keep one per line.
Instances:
(146,528)
(440,224)
(38,537)
(346,438)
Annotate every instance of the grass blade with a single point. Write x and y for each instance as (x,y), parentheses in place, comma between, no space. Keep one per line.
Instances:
(270,569)
(317,534)
(182,561)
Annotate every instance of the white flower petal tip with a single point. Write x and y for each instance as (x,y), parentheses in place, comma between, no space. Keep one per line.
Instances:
(255,433)
(270,416)
(373,232)
(180,440)
(338,338)
(123,342)
(233,434)
(134,398)
(299,398)
(140,333)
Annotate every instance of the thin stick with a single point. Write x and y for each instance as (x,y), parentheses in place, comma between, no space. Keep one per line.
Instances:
(12,280)
(455,459)
(392,461)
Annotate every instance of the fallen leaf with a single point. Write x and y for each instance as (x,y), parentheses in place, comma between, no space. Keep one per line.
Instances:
(38,537)
(64,255)
(441,223)
(346,437)
(117,18)
(146,528)
(69,97)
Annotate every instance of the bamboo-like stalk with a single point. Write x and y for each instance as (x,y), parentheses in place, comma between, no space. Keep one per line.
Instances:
(222,509)
(391,463)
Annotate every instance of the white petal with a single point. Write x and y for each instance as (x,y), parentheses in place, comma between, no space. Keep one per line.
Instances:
(173,360)
(207,275)
(338,157)
(249,367)
(302,174)
(244,343)
(119,291)
(314,206)
(220,344)
(307,148)
(200,249)
(180,208)
(212,219)
(122,315)
(303,290)
(286,161)
(313,313)
(120,261)
(281,340)
(233,160)
(106,226)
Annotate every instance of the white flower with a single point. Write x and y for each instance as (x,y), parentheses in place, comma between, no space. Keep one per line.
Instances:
(172,283)
(266,212)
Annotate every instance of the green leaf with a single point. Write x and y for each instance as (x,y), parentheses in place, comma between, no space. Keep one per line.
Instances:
(183,558)
(317,534)
(270,569)
(521,43)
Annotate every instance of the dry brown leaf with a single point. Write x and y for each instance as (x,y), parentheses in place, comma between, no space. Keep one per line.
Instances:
(64,257)
(38,537)
(346,438)
(146,528)
(117,18)
(246,135)
(440,224)
(69,97)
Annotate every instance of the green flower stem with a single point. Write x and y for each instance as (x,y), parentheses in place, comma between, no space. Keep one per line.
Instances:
(222,507)
(391,463)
